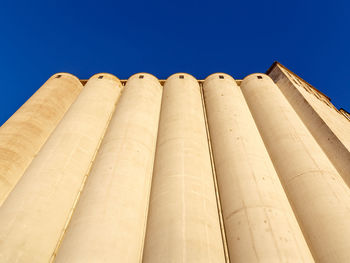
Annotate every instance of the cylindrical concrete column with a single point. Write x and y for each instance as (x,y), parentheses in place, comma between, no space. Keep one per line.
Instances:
(320,119)
(34,216)
(22,135)
(183,222)
(318,194)
(259,222)
(109,221)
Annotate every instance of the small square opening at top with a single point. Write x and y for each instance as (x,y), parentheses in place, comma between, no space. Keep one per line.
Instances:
(100,77)
(221,77)
(259,77)
(140,76)
(58,76)
(181,76)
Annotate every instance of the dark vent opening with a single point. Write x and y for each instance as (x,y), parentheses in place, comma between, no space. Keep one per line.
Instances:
(259,77)
(58,76)
(181,76)
(140,76)
(100,77)
(221,77)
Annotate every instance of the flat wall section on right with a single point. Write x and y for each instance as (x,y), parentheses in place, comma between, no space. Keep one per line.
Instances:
(328,126)
(317,193)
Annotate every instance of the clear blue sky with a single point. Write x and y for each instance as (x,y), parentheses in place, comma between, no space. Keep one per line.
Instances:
(40,38)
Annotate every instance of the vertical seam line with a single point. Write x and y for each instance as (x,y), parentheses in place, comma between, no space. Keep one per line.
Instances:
(217,195)
(71,212)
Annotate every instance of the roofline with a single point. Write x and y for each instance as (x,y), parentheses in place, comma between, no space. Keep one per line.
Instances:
(276,63)
(161,81)
(238,81)
(342,109)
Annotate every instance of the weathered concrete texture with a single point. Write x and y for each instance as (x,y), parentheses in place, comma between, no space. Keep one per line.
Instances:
(330,129)
(34,216)
(109,222)
(22,136)
(259,222)
(318,194)
(183,223)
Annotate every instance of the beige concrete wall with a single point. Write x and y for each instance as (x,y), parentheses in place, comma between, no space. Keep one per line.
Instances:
(259,222)
(318,194)
(330,129)
(183,222)
(345,113)
(34,216)
(109,222)
(22,136)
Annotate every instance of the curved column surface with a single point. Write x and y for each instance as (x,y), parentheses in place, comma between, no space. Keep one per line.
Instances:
(33,217)
(108,224)
(183,223)
(318,194)
(259,222)
(22,135)
(323,121)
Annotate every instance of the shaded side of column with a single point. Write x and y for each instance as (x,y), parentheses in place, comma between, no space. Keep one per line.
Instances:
(109,221)
(259,222)
(183,222)
(22,135)
(318,194)
(35,214)
(310,108)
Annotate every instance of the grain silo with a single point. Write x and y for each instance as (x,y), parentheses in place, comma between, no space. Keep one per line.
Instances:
(22,136)
(176,170)
(34,216)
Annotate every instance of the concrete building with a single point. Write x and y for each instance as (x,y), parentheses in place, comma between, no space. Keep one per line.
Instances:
(22,136)
(176,170)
